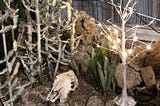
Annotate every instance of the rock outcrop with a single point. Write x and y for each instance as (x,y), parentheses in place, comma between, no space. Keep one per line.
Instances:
(143,66)
(148,76)
(141,58)
(137,58)
(153,58)
(87,30)
(133,77)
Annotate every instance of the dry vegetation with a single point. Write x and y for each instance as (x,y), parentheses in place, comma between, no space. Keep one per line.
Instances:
(45,39)
(39,47)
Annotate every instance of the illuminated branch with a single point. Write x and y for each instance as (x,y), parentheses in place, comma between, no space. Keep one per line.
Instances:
(117,38)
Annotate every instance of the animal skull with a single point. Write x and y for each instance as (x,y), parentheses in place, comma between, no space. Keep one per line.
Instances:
(63,84)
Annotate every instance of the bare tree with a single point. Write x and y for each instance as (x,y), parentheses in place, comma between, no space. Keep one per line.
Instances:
(118,36)
(52,18)
(10,57)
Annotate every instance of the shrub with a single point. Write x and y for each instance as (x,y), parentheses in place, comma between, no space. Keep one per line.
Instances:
(102,68)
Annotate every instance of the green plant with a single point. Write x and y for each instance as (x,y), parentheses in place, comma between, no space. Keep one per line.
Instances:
(102,68)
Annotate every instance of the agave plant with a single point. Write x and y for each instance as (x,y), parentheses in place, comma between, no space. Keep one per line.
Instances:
(102,68)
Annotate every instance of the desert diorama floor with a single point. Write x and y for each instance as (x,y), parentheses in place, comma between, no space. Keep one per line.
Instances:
(36,96)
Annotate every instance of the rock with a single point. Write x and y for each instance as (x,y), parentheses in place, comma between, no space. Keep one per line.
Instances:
(86,26)
(158,91)
(86,29)
(148,76)
(33,98)
(94,101)
(153,58)
(82,58)
(133,77)
(31,104)
(110,103)
(138,57)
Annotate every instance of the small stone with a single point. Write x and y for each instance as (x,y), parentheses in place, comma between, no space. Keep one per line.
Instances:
(30,104)
(110,103)
(94,101)
(148,76)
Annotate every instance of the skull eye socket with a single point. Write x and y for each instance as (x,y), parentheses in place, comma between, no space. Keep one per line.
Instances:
(72,85)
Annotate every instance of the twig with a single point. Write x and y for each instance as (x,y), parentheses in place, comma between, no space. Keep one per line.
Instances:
(28,8)
(38,39)
(59,57)
(8,65)
(5,16)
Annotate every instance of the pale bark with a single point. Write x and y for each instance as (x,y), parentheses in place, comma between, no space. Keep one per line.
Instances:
(38,39)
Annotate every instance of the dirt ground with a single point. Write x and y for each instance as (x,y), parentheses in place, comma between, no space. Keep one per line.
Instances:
(36,96)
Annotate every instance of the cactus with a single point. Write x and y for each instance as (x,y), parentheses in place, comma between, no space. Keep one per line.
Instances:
(102,69)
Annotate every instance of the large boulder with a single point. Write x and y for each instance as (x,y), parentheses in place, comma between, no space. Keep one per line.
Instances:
(86,29)
(148,76)
(133,77)
(143,61)
(137,58)
(153,58)
(81,58)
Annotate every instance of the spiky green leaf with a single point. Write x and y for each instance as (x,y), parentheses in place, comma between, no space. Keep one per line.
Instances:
(101,75)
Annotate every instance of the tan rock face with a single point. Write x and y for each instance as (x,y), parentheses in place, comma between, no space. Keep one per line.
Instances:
(138,57)
(86,26)
(153,58)
(133,77)
(148,76)
(146,62)
(82,58)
